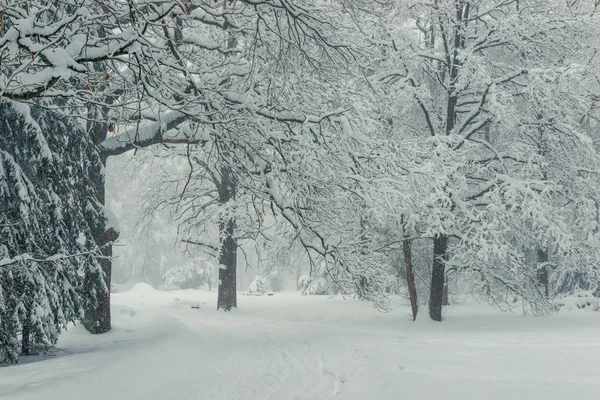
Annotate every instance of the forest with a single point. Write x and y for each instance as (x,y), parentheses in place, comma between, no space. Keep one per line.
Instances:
(414,155)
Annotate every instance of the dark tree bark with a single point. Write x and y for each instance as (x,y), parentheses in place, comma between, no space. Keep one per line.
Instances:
(227,291)
(97,320)
(25,340)
(410,277)
(436,296)
(542,272)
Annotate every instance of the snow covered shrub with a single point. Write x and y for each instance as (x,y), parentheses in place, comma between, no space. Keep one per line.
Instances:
(190,276)
(580,300)
(303,282)
(49,215)
(315,286)
(259,285)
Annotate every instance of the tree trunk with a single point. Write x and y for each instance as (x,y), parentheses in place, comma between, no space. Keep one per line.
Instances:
(227,292)
(542,272)
(436,296)
(97,320)
(227,298)
(410,277)
(25,339)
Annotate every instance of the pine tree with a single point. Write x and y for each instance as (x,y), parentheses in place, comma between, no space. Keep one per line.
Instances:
(49,263)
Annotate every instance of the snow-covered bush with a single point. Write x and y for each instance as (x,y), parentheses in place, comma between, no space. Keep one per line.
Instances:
(580,300)
(190,276)
(317,285)
(259,285)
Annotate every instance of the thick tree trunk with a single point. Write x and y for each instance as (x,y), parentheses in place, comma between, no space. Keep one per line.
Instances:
(227,292)
(542,272)
(436,296)
(410,277)
(98,320)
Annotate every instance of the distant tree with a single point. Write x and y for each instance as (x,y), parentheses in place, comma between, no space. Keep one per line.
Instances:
(485,101)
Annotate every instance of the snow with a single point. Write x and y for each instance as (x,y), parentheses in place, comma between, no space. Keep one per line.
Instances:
(190,37)
(81,239)
(111,219)
(142,289)
(313,347)
(142,133)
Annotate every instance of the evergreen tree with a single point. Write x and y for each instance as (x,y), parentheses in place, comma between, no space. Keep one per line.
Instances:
(49,261)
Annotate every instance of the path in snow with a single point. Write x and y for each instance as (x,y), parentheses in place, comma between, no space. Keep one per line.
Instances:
(292,347)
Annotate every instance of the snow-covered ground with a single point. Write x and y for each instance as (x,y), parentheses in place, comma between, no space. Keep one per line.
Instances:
(292,347)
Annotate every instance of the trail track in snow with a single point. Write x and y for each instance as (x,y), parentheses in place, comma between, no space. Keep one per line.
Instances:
(291,347)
